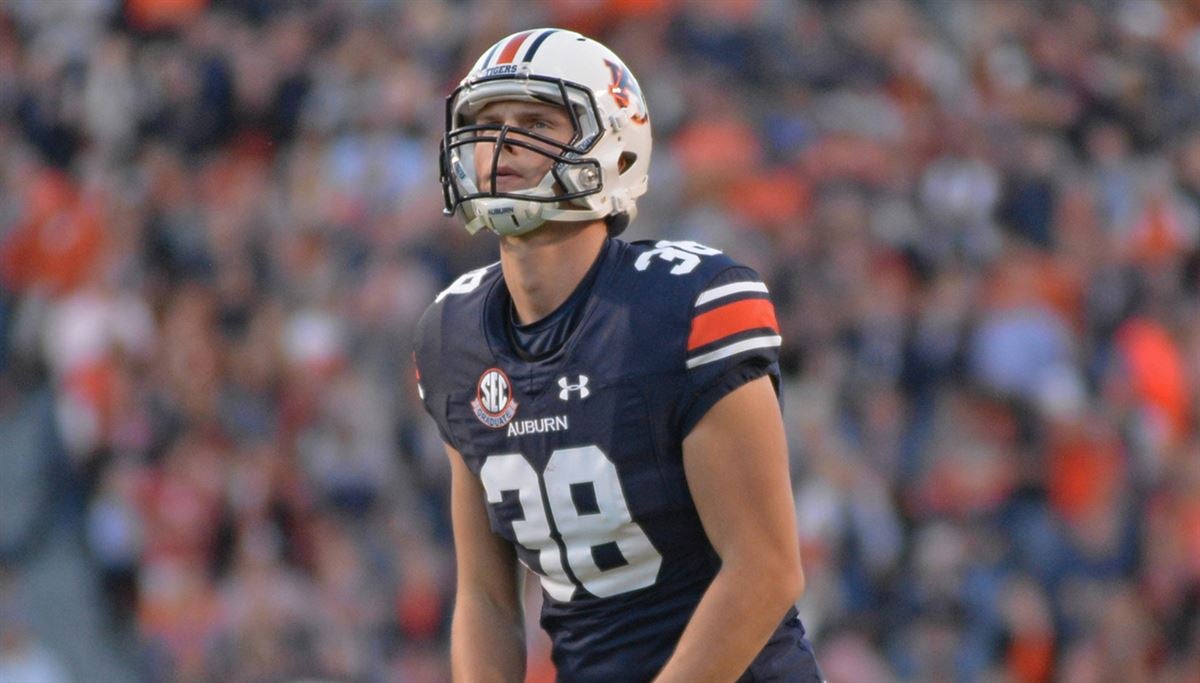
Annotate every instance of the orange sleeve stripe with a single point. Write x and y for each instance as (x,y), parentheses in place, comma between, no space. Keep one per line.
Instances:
(510,50)
(739,316)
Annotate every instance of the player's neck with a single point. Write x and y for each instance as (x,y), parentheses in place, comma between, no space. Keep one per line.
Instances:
(542,268)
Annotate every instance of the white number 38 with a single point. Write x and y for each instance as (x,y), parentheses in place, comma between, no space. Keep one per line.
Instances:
(604,522)
(685,254)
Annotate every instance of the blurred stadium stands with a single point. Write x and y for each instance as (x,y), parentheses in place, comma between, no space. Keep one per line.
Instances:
(219,222)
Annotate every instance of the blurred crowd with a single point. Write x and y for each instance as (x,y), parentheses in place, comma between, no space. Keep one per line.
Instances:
(980,221)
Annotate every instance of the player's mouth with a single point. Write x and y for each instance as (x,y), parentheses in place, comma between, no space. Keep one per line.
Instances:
(508,179)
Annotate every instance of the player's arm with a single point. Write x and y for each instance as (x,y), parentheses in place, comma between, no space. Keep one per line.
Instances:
(735,460)
(487,635)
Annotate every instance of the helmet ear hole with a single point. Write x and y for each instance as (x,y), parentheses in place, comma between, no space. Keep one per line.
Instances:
(626,161)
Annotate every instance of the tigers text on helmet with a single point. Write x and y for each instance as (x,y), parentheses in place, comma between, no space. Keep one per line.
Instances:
(599,173)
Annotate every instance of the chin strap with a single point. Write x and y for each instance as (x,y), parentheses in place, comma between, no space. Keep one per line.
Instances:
(525,216)
(482,220)
(576,215)
(476,224)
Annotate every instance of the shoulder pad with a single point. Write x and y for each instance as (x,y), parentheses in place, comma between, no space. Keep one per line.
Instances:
(458,307)
(468,282)
(685,256)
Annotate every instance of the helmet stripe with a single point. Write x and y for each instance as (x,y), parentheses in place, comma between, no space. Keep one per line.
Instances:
(510,50)
(538,43)
(488,59)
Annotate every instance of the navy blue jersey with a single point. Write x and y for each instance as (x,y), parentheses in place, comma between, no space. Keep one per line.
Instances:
(580,452)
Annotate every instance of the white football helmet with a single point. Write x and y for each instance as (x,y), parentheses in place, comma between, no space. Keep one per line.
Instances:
(599,173)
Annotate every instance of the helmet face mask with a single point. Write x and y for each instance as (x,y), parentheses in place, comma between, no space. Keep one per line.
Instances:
(570,168)
(596,173)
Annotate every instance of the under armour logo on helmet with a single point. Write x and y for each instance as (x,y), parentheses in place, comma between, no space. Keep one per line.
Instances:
(567,388)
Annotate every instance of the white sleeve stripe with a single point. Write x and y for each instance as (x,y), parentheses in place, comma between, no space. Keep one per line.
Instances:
(730,289)
(735,348)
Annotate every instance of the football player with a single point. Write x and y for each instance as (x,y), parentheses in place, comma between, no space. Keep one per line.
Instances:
(609,408)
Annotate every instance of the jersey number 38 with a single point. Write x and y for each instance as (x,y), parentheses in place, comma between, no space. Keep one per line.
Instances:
(577,511)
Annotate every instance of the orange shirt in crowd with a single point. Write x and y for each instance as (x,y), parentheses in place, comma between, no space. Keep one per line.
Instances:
(150,15)
(1156,374)
(58,242)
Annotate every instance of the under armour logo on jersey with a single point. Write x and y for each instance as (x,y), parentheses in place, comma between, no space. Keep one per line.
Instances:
(567,388)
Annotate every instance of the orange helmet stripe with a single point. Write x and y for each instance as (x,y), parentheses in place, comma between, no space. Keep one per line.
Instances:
(510,50)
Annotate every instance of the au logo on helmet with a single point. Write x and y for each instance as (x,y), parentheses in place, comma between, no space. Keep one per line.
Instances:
(494,404)
(626,92)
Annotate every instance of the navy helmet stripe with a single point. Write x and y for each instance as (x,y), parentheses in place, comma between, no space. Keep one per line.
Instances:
(537,43)
(487,61)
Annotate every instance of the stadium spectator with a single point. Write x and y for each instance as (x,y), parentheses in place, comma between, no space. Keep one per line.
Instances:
(979,221)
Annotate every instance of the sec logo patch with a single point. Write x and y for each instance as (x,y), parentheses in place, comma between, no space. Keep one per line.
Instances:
(494,404)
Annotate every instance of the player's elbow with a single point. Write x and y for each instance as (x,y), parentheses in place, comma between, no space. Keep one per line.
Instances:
(781,578)
(796,584)
(790,581)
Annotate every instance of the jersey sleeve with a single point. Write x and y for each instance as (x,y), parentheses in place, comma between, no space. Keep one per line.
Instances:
(427,348)
(733,339)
